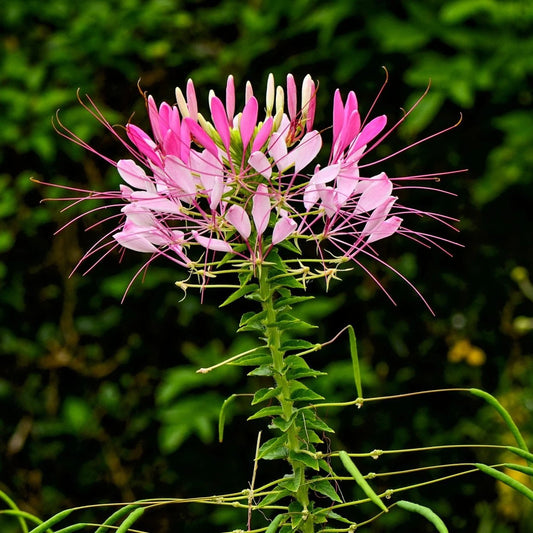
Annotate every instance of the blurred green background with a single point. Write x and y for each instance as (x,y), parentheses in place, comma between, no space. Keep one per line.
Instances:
(100,402)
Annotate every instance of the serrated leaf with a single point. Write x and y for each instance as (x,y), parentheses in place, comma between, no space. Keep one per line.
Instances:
(273,449)
(239,293)
(273,410)
(324,487)
(304,458)
(265,394)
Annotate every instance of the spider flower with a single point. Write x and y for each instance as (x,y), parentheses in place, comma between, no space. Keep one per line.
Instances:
(196,187)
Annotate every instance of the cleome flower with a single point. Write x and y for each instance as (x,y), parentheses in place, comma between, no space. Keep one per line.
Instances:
(199,187)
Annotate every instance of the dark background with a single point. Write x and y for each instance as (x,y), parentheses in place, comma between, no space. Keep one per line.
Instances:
(99,400)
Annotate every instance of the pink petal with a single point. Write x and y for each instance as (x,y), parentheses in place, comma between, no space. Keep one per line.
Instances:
(370,131)
(378,216)
(221,121)
(260,163)
(248,121)
(240,220)
(277,148)
(216,192)
(144,143)
(180,175)
(200,136)
(338,115)
(261,208)
(210,243)
(156,203)
(291,96)
(283,228)
(134,241)
(263,134)
(153,115)
(192,104)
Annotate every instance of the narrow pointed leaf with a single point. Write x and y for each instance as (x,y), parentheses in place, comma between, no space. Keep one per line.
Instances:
(355,362)
(222,416)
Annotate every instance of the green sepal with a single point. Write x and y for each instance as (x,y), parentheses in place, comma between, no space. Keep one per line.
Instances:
(290,483)
(239,293)
(273,497)
(263,370)
(326,488)
(265,394)
(304,458)
(273,410)
(312,421)
(273,449)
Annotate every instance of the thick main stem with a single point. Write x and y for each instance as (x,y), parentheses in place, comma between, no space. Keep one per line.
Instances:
(273,337)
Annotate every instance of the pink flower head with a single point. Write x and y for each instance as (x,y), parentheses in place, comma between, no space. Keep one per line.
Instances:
(243,184)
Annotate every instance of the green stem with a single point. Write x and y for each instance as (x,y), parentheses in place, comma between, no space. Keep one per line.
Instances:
(273,337)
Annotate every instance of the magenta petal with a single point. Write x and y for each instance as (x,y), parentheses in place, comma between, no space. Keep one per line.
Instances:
(338,115)
(240,220)
(144,143)
(263,134)
(248,121)
(370,131)
(217,245)
(283,228)
(153,115)
(261,208)
(200,136)
(221,121)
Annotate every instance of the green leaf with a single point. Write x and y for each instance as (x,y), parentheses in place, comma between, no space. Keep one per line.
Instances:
(239,293)
(291,483)
(274,410)
(426,512)
(273,497)
(222,416)
(297,344)
(263,370)
(288,301)
(304,458)
(313,422)
(324,487)
(265,394)
(252,360)
(275,448)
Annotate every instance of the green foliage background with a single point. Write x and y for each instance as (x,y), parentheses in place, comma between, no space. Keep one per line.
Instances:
(100,401)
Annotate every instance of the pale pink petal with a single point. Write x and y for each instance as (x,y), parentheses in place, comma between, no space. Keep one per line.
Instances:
(311,196)
(283,228)
(328,195)
(192,103)
(277,148)
(156,203)
(248,121)
(306,150)
(139,216)
(240,220)
(261,208)
(387,228)
(326,174)
(216,192)
(230,98)
(134,175)
(134,241)
(180,175)
(260,163)
(377,191)
(217,245)
(378,216)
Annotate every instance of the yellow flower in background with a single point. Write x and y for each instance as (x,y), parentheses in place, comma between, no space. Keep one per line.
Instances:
(464,350)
